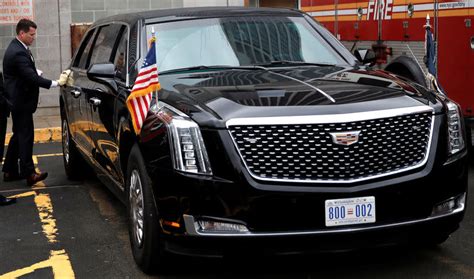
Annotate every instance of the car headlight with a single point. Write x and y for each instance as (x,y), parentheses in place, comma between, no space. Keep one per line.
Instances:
(188,149)
(455,129)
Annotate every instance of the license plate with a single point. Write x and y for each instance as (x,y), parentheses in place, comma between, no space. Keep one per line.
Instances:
(350,211)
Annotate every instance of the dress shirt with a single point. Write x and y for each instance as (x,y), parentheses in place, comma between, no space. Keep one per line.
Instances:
(53,82)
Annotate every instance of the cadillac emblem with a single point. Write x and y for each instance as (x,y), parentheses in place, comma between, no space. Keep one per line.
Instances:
(345,138)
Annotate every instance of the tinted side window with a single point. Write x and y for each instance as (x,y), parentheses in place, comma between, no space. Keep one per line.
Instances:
(132,52)
(84,50)
(104,44)
(120,60)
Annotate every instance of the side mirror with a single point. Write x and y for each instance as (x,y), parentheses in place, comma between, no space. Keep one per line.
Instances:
(366,56)
(103,73)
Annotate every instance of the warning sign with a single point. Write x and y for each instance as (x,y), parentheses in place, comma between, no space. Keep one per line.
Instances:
(11,11)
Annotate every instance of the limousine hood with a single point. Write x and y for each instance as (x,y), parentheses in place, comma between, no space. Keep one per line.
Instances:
(217,96)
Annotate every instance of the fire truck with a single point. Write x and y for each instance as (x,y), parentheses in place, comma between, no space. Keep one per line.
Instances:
(394,29)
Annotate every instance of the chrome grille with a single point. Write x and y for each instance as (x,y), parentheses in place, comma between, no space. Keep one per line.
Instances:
(307,153)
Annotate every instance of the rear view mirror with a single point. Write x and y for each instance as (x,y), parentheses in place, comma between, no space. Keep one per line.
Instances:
(103,73)
(366,56)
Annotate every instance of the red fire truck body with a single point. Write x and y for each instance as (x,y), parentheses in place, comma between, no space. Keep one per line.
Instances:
(398,24)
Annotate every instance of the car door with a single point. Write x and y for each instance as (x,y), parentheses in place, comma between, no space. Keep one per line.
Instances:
(77,108)
(109,48)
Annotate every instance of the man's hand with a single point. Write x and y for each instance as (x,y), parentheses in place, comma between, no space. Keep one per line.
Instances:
(63,78)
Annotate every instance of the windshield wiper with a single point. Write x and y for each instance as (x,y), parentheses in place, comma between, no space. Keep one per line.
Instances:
(293,63)
(213,68)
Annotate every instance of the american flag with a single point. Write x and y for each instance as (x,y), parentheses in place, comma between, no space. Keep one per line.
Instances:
(138,102)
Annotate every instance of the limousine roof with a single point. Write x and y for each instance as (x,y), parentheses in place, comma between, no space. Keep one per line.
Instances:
(201,12)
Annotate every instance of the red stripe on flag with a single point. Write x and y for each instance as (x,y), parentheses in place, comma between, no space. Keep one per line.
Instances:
(135,114)
(146,80)
(142,73)
(140,107)
(146,77)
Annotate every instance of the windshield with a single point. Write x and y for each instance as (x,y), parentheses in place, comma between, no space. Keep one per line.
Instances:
(243,41)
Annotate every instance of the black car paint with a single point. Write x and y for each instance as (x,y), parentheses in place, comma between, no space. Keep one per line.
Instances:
(211,98)
(232,191)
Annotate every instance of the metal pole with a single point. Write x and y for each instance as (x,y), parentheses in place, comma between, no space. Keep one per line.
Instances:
(60,36)
(335,19)
(379,12)
(435,23)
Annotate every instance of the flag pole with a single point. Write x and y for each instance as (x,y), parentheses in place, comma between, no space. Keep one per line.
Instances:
(156,56)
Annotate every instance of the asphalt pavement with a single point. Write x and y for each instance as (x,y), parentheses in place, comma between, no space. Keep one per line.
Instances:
(67,229)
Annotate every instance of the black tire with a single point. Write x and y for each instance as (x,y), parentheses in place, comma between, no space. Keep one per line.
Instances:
(74,164)
(145,240)
(407,67)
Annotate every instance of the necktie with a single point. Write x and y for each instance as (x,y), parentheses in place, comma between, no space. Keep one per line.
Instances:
(31,55)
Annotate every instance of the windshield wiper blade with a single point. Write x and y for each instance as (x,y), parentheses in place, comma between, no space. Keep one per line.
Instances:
(212,67)
(293,63)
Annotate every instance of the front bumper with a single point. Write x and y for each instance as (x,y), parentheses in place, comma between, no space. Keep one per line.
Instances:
(290,217)
(194,229)
(255,245)
(290,209)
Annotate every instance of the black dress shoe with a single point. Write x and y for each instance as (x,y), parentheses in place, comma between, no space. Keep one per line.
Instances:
(35,178)
(7,177)
(6,201)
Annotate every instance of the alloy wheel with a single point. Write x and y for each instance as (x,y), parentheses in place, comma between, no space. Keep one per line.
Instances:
(65,141)
(136,206)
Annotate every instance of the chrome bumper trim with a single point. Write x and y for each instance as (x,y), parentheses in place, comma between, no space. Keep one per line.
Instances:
(192,227)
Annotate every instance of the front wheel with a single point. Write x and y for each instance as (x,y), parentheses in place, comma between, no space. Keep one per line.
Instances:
(142,214)
(74,165)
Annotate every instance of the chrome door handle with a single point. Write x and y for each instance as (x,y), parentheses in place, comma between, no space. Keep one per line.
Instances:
(472,42)
(75,93)
(95,102)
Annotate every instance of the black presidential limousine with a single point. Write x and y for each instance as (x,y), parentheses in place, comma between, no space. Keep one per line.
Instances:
(267,136)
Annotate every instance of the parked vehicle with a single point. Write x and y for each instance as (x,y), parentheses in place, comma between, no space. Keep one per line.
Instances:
(268,136)
(394,30)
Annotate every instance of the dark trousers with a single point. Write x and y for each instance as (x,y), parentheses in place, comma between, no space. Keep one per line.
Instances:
(3,128)
(21,145)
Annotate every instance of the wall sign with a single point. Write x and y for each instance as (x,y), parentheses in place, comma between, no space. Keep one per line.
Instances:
(11,11)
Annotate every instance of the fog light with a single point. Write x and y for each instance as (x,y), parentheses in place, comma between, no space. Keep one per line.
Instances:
(221,227)
(450,205)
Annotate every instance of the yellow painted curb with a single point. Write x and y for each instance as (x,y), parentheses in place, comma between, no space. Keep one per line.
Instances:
(42,135)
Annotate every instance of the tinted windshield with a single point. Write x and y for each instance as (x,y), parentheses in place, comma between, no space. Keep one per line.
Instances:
(242,41)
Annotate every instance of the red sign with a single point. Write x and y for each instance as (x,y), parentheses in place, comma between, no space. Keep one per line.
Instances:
(11,11)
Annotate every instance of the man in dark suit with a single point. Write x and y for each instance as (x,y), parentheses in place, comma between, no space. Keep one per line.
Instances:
(4,112)
(22,82)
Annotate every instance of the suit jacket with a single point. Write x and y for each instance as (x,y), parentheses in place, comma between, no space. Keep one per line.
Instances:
(21,81)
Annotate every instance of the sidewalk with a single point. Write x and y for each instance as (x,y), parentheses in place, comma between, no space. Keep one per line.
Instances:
(47,128)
